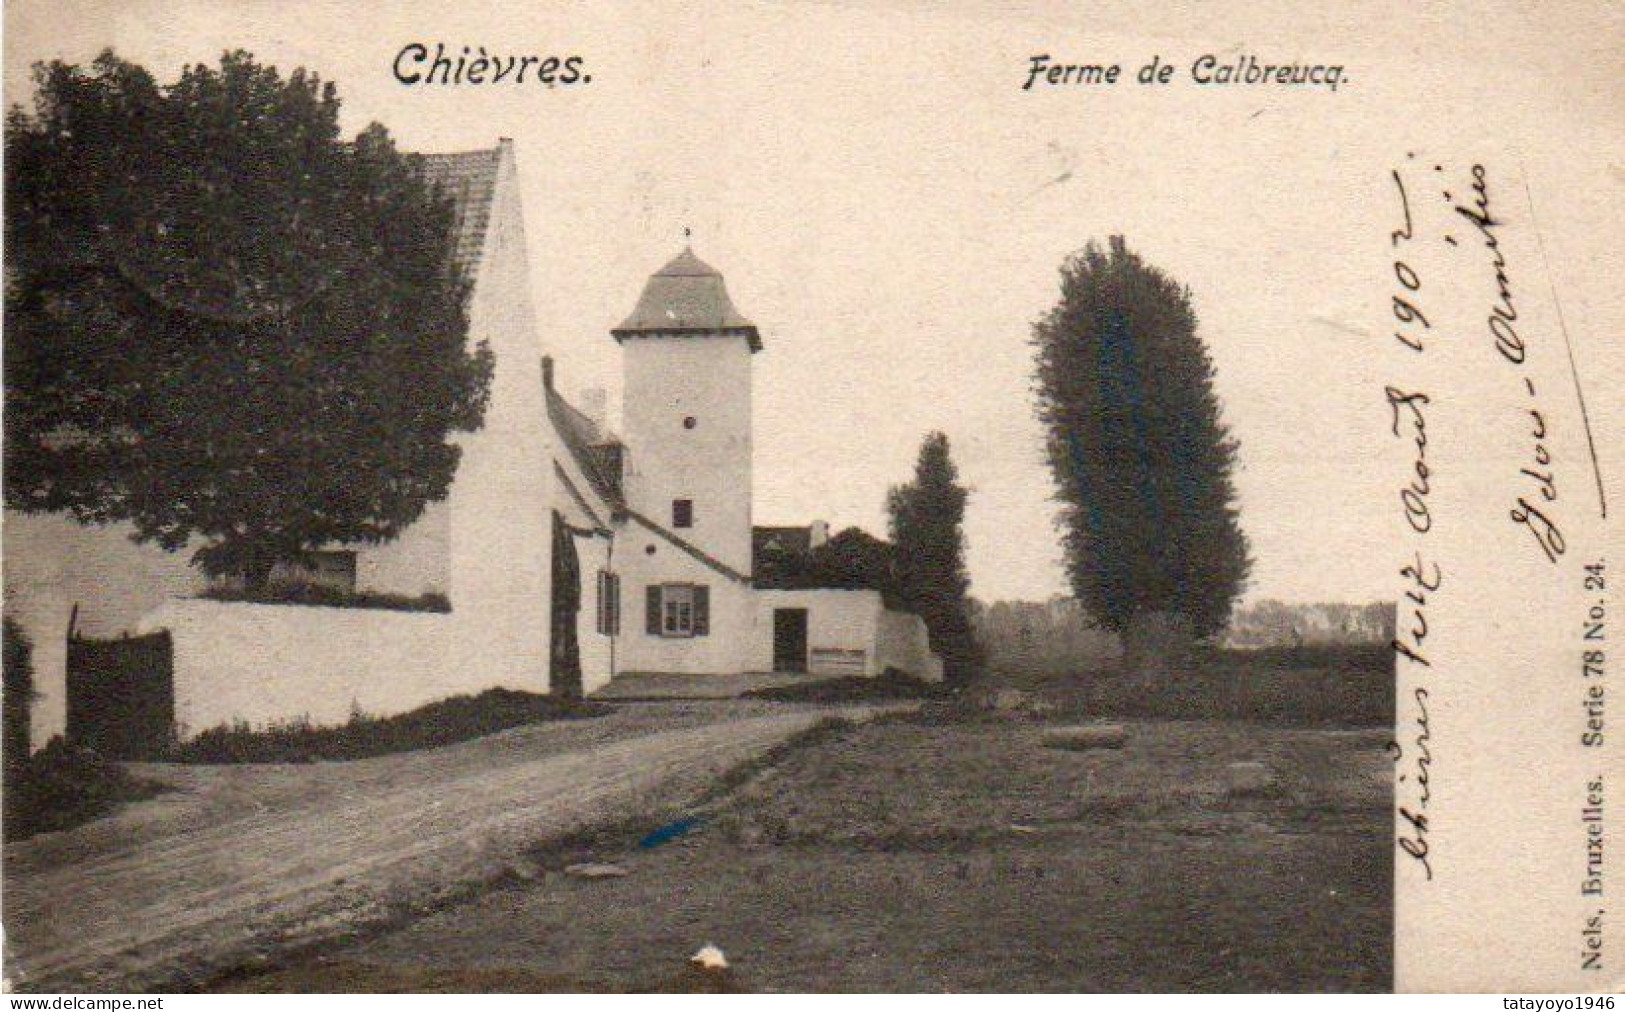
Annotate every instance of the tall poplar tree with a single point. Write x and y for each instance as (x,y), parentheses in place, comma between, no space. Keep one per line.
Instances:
(1141,457)
(929,553)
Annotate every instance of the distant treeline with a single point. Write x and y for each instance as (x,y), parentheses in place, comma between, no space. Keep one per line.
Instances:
(1279,624)
(1281,663)
(1057,637)
(1042,638)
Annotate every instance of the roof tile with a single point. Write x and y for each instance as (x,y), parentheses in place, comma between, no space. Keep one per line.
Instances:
(687,297)
(469,178)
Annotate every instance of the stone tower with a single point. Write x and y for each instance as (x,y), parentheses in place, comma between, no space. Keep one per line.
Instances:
(686,415)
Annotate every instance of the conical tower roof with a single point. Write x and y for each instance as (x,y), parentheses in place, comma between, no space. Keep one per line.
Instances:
(687,298)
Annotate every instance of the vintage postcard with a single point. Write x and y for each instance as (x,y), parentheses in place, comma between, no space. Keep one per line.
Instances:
(813,497)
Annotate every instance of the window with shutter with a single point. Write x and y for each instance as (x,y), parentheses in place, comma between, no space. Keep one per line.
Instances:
(652,610)
(677,610)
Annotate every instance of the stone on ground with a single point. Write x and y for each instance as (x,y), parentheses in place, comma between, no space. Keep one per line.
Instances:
(1018,703)
(1082,737)
(1248,778)
(591,869)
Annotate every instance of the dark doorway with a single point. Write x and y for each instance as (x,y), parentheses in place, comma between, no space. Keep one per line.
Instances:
(564,664)
(121,695)
(790,639)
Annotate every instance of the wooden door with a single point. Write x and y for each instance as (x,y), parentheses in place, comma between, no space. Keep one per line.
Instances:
(790,639)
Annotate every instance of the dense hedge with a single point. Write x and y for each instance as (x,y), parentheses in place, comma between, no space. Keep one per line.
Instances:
(459,718)
(62,786)
(330,597)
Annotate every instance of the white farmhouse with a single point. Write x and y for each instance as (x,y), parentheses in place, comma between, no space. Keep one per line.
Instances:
(564,555)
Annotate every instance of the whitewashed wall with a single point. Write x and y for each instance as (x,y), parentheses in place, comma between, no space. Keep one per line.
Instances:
(836,620)
(727,648)
(268,662)
(596,649)
(849,620)
(53,563)
(416,563)
(668,379)
(903,643)
(501,514)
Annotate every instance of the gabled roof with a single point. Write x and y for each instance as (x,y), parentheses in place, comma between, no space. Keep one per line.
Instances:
(790,540)
(687,297)
(469,178)
(698,554)
(595,451)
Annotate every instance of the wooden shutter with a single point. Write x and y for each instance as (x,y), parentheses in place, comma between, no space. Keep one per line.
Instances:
(652,613)
(702,610)
(614,604)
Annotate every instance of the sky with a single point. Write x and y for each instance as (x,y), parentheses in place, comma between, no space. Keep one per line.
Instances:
(892,210)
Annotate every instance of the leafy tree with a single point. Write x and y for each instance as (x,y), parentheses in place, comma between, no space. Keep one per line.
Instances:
(1141,458)
(224,324)
(929,549)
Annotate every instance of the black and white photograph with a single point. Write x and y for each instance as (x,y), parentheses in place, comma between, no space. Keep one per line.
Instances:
(810,497)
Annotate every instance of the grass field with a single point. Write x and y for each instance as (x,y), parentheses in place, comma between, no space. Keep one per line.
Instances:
(1334,685)
(930,852)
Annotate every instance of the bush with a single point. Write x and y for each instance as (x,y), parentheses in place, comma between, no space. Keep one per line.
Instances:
(446,722)
(62,786)
(19,694)
(329,597)
(894,684)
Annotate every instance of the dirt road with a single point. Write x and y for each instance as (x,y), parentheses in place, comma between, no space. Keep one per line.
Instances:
(243,862)
(923,857)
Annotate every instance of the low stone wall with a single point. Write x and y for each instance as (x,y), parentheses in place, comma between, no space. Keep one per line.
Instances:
(238,661)
(53,564)
(901,642)
(849,632)
(838,621)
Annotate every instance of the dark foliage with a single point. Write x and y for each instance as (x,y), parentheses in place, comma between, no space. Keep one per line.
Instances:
(929,551)
(446,722)
(225,324)
(19,694)
(854,559)
(330,597)
(893,684)
(1141,458)
(62,786)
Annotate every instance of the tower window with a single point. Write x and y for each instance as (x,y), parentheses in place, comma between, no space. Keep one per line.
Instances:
(690,422)
(682,513)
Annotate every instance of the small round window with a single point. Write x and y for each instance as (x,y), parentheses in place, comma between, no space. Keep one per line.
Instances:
(648,549)
(690,422)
